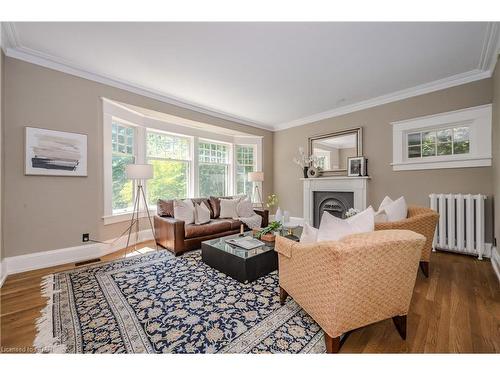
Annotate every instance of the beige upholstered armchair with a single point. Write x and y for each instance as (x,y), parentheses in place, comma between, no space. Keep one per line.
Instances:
(347,284)
(422,220)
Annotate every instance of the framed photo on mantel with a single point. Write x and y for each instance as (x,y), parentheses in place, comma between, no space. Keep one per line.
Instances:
(54,153)
(357,166)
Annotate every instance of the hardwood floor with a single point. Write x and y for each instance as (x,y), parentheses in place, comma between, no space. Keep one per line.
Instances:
(455,310)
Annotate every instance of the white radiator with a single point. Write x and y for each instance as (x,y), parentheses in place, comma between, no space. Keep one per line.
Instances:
(461,223)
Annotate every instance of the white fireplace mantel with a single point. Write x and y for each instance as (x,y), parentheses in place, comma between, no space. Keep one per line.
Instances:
(357,185)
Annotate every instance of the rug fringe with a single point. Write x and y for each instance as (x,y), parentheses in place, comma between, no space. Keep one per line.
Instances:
(45,342)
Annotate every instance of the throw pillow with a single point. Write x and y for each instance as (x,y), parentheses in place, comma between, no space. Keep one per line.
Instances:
(207,203)
(215,204)
(201,213)
(165,207)
(333,228)
(184,211)
(396,210)
(387,200)
(309,234)
(245,208)
(381,217)
(228,208)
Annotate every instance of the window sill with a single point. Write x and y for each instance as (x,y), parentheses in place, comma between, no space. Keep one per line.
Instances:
(126,216)
(441,164)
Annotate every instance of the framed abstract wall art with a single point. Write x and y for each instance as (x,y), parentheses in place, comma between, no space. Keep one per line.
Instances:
(55,153)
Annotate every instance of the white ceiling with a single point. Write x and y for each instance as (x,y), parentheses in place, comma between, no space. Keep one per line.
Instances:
(273,75)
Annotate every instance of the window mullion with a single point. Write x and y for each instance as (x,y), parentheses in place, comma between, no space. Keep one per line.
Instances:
(193,170)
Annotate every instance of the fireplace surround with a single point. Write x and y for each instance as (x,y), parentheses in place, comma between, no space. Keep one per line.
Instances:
(356,187)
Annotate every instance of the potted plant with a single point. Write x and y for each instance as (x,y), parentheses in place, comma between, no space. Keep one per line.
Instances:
(267,233)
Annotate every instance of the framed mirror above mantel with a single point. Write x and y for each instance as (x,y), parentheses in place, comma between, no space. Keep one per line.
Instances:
(333,149)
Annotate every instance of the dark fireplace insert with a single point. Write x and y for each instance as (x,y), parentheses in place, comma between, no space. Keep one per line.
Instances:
(334,202)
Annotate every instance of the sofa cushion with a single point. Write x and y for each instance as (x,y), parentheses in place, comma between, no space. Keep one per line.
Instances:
(213,227)
(165,208)
(235,223)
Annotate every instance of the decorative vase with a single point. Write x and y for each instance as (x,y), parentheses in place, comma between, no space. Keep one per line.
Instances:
(305,171)
(268,237)
(278,216)
(312,172)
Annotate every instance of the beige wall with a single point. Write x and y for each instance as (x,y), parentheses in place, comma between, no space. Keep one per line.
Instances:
(377,146)
(1,151)
(45,213)
(496,149)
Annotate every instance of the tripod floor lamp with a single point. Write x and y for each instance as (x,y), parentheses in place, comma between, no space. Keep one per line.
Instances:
(139,173)
(256,177)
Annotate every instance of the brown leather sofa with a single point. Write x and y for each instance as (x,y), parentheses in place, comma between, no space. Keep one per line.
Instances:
(178,237)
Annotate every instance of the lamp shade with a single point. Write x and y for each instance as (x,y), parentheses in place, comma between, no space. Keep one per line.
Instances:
(255,176)
(139,171)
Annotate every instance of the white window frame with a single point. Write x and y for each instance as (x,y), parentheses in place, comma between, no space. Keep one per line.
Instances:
(136,158)
(189,160)
(230,165)
(478,119)
(235,161)
(113,110)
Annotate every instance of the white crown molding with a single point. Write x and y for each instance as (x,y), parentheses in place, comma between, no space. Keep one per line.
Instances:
(489,53)
(10,39)
(491,46)
(14,49)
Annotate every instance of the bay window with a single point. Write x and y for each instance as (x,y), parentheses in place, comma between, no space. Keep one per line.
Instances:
(123,153)
(188,162)
(245,163)
(170,157)
(213,169)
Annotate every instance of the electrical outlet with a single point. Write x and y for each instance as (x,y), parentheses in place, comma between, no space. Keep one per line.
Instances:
(85,237)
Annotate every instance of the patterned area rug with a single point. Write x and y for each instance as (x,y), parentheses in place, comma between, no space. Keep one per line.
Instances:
(157,303)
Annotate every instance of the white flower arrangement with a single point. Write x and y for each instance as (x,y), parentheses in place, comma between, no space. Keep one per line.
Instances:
(351,212)
(305,161)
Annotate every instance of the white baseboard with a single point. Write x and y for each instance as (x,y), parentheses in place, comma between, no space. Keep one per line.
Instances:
(44,259)
(3,272)
(495,261)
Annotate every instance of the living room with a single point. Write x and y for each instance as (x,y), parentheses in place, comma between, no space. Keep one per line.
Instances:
(249,187)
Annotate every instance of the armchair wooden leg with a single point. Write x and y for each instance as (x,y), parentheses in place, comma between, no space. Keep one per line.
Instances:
(424,266)
(400,323)
(283,295)
(332,344)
